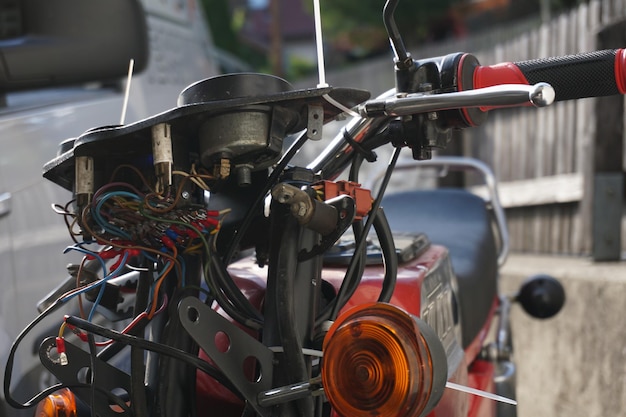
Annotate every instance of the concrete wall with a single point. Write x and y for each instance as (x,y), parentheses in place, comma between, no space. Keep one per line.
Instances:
(573,365)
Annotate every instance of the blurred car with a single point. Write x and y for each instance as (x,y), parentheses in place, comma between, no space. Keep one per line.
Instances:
(63,66)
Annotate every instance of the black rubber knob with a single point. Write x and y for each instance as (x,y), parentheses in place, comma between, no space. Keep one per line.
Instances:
(542,296)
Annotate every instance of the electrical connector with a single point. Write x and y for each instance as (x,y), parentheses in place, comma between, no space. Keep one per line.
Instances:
(362,196)
(162,155)
(60,343)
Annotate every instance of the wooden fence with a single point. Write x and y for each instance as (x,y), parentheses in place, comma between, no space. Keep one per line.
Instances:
(546,159)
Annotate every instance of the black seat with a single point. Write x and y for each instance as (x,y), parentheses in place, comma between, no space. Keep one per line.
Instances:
(458,220)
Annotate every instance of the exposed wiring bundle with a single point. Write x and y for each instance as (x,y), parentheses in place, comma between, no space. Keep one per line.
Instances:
(129,229)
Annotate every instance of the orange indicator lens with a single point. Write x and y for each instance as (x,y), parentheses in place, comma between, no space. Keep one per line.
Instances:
(60,404)
(376,362)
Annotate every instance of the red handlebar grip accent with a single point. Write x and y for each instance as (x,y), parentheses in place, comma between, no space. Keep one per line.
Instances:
(505,73)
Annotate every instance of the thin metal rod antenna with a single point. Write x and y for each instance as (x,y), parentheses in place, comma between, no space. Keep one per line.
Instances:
(131,66)
(399,50)
(321,69)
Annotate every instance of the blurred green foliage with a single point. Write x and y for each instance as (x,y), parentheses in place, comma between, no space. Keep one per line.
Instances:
(353,29)
(412,17)
(224,24)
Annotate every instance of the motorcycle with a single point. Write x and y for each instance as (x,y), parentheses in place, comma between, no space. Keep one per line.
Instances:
(222,279)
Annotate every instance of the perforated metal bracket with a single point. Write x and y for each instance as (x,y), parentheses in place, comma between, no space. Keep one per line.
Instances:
(315,122)
(230,348)
(110,381)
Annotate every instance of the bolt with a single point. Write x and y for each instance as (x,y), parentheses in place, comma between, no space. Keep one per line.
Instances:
(244,175)
(302,210)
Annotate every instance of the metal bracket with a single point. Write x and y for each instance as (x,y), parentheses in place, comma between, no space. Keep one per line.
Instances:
(230,348)
(109,380)
(315,122)
(346,210)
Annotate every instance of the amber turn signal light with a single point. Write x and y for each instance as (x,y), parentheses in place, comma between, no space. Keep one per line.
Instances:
(60,404)
(379,360)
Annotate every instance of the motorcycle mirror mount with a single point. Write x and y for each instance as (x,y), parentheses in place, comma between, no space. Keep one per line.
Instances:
(405,66)
(401,56)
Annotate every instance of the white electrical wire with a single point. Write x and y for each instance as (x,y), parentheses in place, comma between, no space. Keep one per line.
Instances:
(340,106)
(131,66)
(480,393)
(319,44)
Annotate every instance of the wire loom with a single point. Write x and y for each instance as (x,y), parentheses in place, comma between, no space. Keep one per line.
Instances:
(132,226)
(122,216)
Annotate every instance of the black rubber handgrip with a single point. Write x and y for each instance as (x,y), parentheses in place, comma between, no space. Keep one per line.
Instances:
(592,74)
(575,76)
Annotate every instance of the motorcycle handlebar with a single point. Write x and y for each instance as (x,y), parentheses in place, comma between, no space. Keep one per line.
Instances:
(591,74)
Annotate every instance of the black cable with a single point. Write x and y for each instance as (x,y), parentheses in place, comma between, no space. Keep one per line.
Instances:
(352,277)
(8,372)
(35,400)
(278,170)
(92,373)
(358,147)
(390,258)
(174,396)
(356,266)
(183,356)
(356,167)
(390,261)
(286,267)
(225,282)
(108,352)
(210,272)
(137,366)
(385,238)
(342,295)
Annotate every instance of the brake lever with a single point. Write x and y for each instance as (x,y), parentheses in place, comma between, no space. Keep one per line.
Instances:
(504,95)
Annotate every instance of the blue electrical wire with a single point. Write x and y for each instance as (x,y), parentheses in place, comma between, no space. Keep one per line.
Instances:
(102,283)
(96,255)
(102,222)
